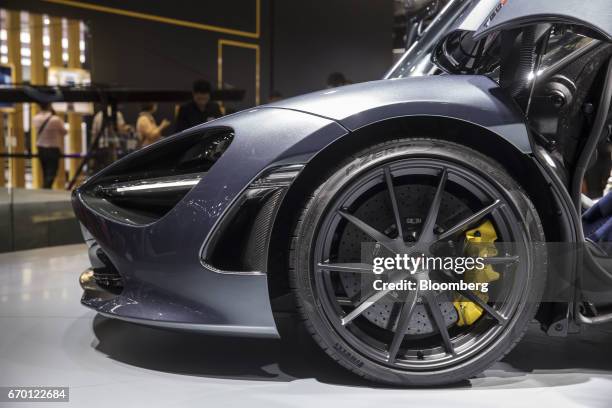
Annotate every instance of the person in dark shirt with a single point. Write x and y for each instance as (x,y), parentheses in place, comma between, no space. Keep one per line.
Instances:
(336,79)
(199,110)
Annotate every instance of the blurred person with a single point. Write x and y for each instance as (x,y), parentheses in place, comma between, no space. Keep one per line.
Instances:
(112,141)
(51,131)
(275,96)
(336,79)
(200,109)
(146,127)
(107,137)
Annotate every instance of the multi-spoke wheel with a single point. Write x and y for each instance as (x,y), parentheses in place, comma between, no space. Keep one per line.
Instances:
(427,199)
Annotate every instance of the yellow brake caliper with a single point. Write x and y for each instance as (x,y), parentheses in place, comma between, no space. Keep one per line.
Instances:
(479,243)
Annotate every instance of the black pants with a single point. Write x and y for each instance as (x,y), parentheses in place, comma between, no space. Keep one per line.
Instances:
(49,160)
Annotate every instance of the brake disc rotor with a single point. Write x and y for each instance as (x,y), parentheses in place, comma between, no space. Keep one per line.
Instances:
(375,211)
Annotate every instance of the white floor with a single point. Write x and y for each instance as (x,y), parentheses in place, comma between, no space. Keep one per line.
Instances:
(47,338)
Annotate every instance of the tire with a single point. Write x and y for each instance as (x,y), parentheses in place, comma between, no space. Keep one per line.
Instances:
(321,227)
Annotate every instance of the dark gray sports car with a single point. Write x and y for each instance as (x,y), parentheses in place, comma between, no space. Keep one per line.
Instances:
(481,134)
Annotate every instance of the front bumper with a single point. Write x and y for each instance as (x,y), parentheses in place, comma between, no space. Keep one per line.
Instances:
(104,302)
(164,280)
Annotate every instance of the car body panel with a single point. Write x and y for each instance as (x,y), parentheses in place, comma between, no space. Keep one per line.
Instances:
(165,283)
(474,99)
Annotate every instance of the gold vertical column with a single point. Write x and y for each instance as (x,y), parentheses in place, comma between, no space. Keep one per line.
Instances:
(16,141)
(37,77)
(2,150)
(55,60)
(74,119)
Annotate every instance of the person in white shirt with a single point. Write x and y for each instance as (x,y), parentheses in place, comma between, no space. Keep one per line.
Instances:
(51,131)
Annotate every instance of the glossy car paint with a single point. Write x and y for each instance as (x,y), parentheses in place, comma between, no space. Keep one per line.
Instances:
(474,99)
(165,282)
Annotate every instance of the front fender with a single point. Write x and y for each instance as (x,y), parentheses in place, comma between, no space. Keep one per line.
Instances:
(474,99)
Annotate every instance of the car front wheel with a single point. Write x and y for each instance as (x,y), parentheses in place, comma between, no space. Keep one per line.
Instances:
(421,198)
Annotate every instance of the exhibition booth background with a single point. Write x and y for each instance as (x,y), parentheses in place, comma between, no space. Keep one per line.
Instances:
(260,46)
(292,45)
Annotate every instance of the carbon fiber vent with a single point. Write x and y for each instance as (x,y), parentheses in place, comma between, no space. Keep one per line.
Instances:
(240,243)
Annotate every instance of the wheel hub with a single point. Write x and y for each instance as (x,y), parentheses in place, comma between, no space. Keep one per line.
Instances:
(384,313)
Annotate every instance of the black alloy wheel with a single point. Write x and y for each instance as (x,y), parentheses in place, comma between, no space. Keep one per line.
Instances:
(416,197)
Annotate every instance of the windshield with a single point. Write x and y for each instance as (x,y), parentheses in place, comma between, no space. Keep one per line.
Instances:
(563,43)
(449,37)
(417,60)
